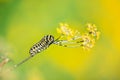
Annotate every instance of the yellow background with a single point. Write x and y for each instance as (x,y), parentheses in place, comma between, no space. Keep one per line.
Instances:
(25,22)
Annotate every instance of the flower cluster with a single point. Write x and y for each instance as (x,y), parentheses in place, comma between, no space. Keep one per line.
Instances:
(86,40)
(92,29)
(67,32)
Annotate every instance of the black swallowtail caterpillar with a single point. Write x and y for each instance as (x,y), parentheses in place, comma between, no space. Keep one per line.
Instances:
(43,44)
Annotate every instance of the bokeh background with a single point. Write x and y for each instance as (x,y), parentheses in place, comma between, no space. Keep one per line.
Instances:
(25,22)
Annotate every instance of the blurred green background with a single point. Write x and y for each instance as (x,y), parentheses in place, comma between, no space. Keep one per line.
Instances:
(25,22)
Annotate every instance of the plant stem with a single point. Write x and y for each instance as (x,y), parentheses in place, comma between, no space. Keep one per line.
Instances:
(23,61)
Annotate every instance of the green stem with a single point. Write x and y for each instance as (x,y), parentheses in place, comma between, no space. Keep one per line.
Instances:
(26,59)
